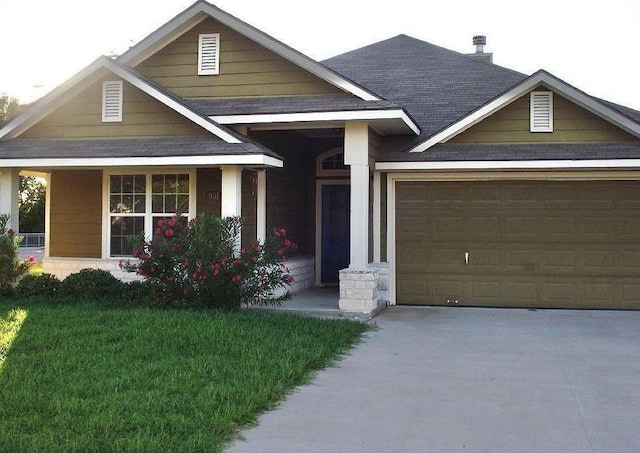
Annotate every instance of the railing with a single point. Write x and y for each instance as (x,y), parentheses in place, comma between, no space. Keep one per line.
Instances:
(32,239)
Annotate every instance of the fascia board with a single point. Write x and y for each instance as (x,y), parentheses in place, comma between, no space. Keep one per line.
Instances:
(509,165)
(182,161)
(339,115)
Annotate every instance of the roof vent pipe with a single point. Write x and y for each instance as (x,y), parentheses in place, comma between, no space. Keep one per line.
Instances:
(479,41)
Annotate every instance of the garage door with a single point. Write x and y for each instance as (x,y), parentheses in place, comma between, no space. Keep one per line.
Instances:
(519,244)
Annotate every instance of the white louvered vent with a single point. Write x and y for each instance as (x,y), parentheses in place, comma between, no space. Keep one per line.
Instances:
(112,101)
(541,111)
(209,54)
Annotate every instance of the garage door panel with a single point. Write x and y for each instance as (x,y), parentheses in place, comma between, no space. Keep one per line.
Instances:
(530,243)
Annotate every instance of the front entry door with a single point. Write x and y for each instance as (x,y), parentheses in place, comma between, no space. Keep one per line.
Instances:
(335,231)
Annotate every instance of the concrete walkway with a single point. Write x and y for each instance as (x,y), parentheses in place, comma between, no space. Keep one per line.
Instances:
(471,380)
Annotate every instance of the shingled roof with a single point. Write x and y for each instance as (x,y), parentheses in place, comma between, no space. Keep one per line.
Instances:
(437,86)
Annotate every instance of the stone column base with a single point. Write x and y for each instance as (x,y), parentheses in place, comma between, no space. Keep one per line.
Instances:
(358,289)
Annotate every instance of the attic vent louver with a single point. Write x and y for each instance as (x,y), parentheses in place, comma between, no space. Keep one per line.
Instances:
(541,111)
(209,54)
(112,101)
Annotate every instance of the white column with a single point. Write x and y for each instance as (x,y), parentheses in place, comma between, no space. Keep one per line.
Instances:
(376,216)
(261,206)
(356,155)
(231,197)
(9,193)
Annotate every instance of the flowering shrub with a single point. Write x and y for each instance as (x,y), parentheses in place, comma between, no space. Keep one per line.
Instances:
(200,263)
(11,268)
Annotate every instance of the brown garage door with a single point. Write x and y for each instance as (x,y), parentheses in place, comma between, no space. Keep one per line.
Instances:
(529,244)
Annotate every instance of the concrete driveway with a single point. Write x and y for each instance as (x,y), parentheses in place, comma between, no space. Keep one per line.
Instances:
(471,380)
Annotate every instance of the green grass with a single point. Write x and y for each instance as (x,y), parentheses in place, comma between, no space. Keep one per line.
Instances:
(88,378)
(36,270)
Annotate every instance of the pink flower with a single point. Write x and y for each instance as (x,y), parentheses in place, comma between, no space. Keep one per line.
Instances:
(168,233)
(160,223)
(216,271)
(136,253)
(172,222)
(120,263)
(158,231)
(287,243)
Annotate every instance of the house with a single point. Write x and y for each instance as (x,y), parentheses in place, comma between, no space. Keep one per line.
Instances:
(406,172)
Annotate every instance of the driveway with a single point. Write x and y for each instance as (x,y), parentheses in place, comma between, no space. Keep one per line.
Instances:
(471,380)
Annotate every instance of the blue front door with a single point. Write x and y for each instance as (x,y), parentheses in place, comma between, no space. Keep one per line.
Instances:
(335,231)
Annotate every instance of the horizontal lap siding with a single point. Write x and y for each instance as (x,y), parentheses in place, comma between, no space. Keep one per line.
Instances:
(143,116)
(543,244)
(571,124)
(246,68)
(76,218)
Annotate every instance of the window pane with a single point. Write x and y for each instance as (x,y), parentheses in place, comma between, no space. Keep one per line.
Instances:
(139,204)
(170,184)
(116,183)
(170,203)
(127,204)
(114,203)
(157,203)
(157,181)
(183,183)
(127,183)
(140,184)
(183,204)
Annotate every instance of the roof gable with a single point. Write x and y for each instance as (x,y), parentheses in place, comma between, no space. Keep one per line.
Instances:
(245,68)
(201,10)
(95,72)
(539,78)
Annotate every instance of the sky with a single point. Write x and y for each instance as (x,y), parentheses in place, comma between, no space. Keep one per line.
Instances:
(593,45)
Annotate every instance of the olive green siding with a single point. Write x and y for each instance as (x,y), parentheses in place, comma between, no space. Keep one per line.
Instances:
(246,68)
(75,229)
(572,123)
(143,116)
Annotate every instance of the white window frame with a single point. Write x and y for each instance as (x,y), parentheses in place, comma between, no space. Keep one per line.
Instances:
(105,85)
(148,214)
(216,69)
(533,127)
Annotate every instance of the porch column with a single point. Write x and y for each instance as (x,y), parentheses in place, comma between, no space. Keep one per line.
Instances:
(261,206)
(9,193)
(231,196)
(356,155)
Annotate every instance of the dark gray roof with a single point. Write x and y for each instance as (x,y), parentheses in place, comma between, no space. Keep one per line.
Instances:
(631,113)
(289,104)
(435,85)
(129,147)
(529,151)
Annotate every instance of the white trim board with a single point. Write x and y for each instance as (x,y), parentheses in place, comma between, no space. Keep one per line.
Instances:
(541,77)
(509,165)
(337,115)
(201,10)
(206,160)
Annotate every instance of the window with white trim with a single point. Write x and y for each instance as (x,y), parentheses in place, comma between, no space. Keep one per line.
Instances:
(541,111)
(209,54)
(137,201)
(112,101)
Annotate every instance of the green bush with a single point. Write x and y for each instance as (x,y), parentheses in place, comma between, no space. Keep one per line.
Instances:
(91,284)
(200,264)
(138,293)
(11,268)
(38,285)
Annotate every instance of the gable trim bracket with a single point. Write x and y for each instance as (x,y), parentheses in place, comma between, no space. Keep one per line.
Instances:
(540,77)
(199,11)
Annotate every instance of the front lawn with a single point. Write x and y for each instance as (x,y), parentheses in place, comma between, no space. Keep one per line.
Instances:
(92,378)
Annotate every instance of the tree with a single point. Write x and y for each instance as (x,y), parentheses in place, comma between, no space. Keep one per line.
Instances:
(32,204)
(9,107)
